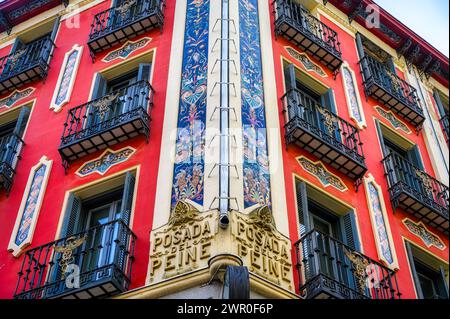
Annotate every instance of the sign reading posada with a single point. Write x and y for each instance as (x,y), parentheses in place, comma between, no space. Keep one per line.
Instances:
(183,244)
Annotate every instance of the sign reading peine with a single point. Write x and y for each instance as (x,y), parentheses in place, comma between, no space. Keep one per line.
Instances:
(262,248)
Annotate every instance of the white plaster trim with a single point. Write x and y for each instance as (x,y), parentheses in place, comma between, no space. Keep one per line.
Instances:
(370,179)
(12,247)
(53,105)
(361,124)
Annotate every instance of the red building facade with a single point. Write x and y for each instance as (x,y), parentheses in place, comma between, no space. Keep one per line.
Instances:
(350,156)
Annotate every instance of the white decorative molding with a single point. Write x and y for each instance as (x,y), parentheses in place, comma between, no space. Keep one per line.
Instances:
(30,206)
(354,103)
(66,78)
(380,223)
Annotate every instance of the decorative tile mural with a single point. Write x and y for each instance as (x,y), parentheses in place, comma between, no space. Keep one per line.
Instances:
(393,120)
(30,206)
(423,233)
(124,51)
(321,173)
(256,162)
(66,78)
(188,176)
(304,59)
(104,162)
(15,96)
(353,97)
(380,222)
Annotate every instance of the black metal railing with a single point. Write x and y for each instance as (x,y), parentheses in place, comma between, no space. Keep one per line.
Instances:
(403,176)
(328,266)
(10,147)
(108,112)
(293,13)
(303,110)
(445,126)
(378,73)
(103,254)
(118,17)
(34,54)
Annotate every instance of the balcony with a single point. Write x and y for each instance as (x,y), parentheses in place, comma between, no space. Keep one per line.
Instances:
(328,269)
(298,26)
(445,126)
(127,21)
(10,148)
(103,122)
(104,255)
(322,133)
(27,64)
(392,91)
(416,192)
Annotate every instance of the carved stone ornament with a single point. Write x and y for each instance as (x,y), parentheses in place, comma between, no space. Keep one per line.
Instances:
(360,264)
(329,120)
(103,104)
(183,213)
(263,218)
(123,9)
(66,251)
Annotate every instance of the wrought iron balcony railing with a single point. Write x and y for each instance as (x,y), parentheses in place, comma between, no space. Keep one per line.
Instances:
(26,64)
(324,134)
(106,121)
(391,90)
(10,148)
(445,126)
(103,254)
(330,269)
(417,192)
(120,23)
(297,25)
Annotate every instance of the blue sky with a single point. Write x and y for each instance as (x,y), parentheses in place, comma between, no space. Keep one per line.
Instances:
(428,18)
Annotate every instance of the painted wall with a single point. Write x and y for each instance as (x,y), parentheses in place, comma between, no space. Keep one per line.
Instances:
(372,151)
(43,137)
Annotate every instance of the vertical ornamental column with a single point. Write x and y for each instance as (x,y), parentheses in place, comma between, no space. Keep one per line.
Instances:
(255,161)
(188,180)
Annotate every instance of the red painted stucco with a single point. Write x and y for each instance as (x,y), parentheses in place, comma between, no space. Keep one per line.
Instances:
(43,137)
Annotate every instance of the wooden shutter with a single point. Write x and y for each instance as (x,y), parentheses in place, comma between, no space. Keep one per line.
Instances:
(443,282)
(72,216)
(127,197)
(18,44)
(302,207)
(289,76)
(144,71)
(22,121)
(143,74)
(99,87)
(439,104)
(349,231)
(414,157)
(413,270)
(360,46)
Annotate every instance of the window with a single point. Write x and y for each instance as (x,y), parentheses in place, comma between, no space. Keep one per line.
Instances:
(443,108)
(368,48)
(392,143)
(328,233)
(125,91)
(312,97)
(12,128)
(429,274)
(98,213)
